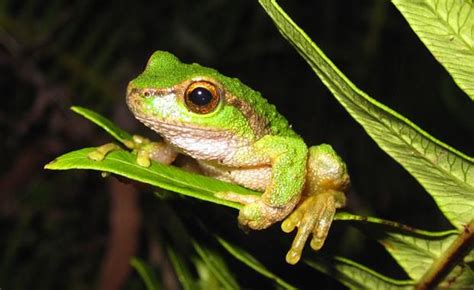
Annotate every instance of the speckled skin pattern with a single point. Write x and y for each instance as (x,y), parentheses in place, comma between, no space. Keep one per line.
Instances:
(243,140)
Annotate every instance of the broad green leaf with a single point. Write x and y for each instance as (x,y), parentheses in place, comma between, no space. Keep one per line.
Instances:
(217,266)
(446,173)
(181,270)
(446,27)
(123,163)
(463,277)
(104,123)
(417,251)
(253,263)
(414,250)
(356,276)
(414,253)
(146,273)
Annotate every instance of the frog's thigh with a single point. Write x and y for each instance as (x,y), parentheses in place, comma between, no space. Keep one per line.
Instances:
(287,157)
(240,176)
(256,178)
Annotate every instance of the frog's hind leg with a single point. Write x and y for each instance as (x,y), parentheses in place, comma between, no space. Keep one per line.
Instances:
(327,179)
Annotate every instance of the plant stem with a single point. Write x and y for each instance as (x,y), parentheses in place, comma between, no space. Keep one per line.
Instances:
(451,257)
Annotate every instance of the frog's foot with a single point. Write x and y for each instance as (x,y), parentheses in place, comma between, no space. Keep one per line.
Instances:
(145,149)
(256,214)
(313,215)
(148,150)
(100,152)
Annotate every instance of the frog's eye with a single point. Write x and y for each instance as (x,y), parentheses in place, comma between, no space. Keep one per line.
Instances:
(202,97)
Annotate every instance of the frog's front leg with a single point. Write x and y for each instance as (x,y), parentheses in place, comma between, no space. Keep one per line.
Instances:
(326,182)
(287,158)
(145,149)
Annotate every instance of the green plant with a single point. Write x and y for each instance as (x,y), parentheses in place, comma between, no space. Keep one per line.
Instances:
(429,258)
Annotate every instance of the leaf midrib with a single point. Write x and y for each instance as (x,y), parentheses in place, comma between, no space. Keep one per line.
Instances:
(452,30)
(149,171)
(411,125)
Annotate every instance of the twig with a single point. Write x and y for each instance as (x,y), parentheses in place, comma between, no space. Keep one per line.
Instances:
(451,257)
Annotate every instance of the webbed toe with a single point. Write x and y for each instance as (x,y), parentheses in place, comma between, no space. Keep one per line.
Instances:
(314,216)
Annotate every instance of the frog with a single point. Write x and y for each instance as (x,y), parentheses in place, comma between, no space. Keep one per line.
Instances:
(234,134)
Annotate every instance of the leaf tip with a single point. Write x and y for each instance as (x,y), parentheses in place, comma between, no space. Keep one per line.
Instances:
(50,165)
(77,109)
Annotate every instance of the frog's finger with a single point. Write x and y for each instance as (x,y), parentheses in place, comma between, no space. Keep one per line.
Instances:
(129,143)
(100,152)
(139,140)
(308,215)
(292,221)
(143,158)
(304,230)
(327,210)
(295,218)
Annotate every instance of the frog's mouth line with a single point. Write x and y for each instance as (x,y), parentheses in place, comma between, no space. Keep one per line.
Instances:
(157,125)
(197,142)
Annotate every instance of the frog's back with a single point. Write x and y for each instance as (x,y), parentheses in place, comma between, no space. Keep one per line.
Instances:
(257,107)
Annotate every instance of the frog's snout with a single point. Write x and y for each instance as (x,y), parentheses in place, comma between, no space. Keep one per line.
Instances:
(136,97)
(132,98)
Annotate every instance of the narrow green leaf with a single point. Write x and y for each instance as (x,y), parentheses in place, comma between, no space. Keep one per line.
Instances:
(390,225)
(104,123)
(181,269)
(253,263)
(446,27)
(207,279)
(356,276)
(217,266)
(146,273)
(446,173)
(123,163)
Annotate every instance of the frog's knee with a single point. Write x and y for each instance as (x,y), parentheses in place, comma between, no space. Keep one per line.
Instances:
(259,215)
(326,170)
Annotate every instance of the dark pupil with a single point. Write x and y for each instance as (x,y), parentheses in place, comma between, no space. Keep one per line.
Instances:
(200,96)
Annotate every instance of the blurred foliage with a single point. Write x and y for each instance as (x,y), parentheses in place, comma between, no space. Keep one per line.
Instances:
(54,53)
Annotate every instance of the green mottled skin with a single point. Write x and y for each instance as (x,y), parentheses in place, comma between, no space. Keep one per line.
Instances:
(242,140)
(166,70)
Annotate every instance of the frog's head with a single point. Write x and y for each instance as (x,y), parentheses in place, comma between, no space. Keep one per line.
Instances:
(189,104)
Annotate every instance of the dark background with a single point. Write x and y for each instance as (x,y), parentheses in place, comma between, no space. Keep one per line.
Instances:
(75,230)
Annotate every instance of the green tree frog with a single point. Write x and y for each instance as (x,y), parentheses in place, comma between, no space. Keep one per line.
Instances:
(235,135)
